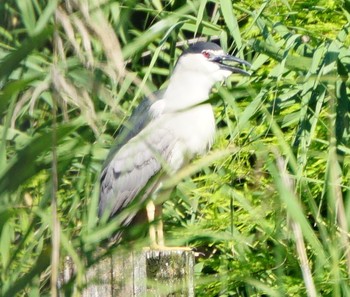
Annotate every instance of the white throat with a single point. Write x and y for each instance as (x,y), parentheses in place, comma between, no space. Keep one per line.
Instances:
(191,83)
(187,87)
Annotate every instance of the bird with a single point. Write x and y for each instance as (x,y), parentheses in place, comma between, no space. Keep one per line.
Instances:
(165,132)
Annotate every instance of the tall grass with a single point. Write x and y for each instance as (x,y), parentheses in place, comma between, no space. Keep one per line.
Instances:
(267,209)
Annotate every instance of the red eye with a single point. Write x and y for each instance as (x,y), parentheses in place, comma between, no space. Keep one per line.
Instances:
(206,54)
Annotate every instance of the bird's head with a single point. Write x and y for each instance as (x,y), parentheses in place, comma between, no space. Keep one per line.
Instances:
(209,59)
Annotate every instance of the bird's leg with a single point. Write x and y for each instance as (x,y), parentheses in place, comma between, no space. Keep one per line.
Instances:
(150,208)
(159,226)
(156,229)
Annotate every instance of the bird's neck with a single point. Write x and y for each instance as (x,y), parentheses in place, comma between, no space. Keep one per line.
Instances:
(186,89)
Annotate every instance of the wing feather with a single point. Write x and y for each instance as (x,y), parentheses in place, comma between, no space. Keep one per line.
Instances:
(132,167)
(117,166)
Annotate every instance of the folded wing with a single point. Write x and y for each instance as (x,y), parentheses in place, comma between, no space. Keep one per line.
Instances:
(131,169)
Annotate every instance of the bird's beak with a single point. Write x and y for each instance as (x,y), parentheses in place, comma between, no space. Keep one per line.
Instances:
(223,59)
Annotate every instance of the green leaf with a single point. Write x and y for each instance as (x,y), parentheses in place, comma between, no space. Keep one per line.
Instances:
(292,62)
(27,14)
(5,243)
(12,89)
(10,62)
(41,264)
(342,122)
(25,165)
(200,15)
(231,21)
(45,16)
(296,212)
(154,32)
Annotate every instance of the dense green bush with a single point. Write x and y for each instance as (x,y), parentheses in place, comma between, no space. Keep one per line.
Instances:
(268,209)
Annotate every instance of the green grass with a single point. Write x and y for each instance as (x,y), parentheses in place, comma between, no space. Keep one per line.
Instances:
(268,208)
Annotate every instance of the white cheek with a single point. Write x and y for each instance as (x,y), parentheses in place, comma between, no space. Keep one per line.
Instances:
(221,74)
(199,65)
(217,73)
(226,73)
(193,63)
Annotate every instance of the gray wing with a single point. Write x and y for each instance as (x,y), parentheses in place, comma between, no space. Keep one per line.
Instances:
(132,161)
(137,121)
(131,169)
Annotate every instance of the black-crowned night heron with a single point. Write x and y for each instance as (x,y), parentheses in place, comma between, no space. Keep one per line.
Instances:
(163,134)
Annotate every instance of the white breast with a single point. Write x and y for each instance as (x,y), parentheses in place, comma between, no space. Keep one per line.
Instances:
(194,130)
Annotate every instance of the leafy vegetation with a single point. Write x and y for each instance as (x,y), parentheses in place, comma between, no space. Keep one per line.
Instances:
(268,209)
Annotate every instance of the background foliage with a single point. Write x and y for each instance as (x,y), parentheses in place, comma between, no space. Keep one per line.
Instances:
(268,209)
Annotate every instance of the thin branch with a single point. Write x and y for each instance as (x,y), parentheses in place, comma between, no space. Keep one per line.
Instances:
(298,235)
(55,239)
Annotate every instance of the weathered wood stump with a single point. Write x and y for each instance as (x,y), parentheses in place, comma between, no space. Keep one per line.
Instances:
(155,273)
(169,272)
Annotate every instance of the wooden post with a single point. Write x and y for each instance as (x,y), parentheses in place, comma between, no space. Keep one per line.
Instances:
(155,273)
(170,273)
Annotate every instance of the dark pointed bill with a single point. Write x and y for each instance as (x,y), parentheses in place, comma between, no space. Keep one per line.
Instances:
(228,66)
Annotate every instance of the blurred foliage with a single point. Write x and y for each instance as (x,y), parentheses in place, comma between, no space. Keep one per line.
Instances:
(268,209)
